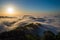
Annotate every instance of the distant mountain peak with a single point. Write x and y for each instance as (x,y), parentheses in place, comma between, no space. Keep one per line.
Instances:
(28,16)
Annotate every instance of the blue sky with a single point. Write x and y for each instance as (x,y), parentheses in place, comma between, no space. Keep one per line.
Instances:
(34,5)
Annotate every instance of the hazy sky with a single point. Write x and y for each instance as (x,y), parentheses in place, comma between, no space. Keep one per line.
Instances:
(32,6)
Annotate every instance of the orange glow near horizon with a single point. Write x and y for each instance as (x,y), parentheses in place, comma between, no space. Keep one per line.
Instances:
(9,10)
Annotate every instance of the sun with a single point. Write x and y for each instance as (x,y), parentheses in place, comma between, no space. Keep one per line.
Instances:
(10,10)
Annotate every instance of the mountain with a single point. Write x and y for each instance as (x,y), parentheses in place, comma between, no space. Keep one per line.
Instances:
(7,17)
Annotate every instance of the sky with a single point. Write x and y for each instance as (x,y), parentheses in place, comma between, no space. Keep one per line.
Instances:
(32,6)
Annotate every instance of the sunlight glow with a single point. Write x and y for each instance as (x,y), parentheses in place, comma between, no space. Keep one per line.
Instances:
(10,10)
